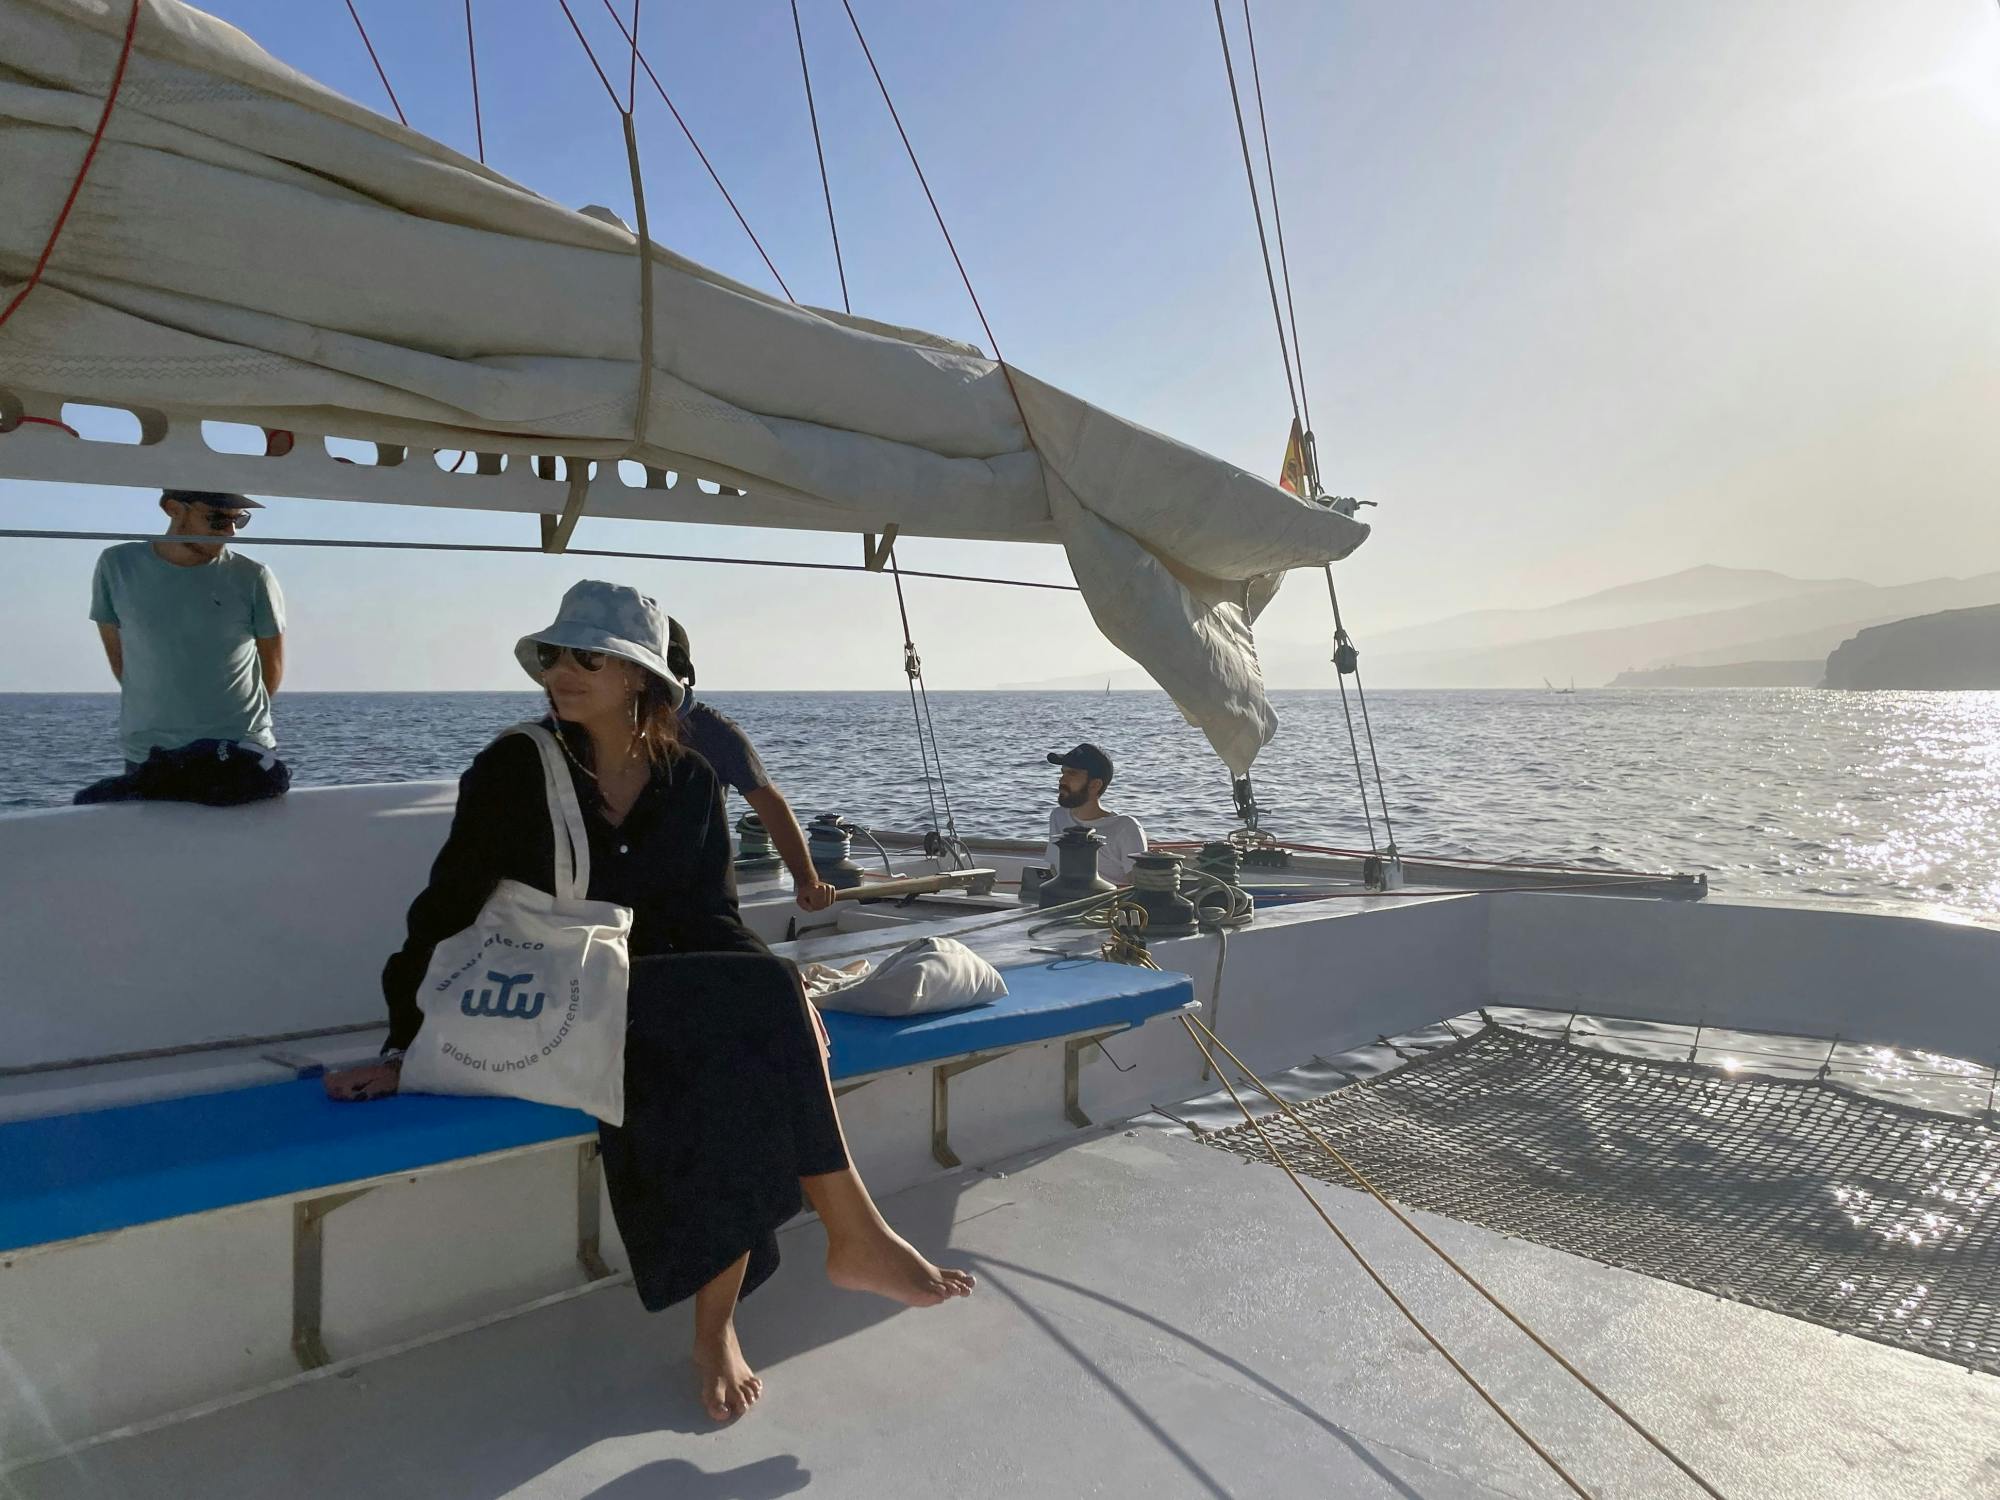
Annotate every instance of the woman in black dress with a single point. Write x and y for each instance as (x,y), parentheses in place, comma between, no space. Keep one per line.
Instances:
(729,1113)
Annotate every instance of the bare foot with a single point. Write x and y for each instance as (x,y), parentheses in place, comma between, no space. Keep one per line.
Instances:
(727,1387)
(885,1263)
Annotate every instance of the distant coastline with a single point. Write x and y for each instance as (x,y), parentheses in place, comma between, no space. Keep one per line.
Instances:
(1946,651)
(1955,649)
(1727,674)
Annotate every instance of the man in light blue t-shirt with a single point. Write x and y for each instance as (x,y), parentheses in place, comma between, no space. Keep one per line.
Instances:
(195,635)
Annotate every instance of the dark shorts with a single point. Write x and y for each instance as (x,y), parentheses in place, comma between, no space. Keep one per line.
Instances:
(216,773)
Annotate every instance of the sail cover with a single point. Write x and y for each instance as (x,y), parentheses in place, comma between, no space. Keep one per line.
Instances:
(250,245)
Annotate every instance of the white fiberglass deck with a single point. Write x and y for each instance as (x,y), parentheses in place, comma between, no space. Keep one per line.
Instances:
(1154,1319)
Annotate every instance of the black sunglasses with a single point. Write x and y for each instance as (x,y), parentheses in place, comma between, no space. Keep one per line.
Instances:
(549,655)
(219,520)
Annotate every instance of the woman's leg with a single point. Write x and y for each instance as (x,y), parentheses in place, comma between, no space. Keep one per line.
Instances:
(728,1388)
(863,1254)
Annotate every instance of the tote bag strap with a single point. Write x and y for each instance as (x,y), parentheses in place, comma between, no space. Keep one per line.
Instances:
(571,840)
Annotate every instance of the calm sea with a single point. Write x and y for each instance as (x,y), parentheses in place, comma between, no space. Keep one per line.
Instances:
(1875,797)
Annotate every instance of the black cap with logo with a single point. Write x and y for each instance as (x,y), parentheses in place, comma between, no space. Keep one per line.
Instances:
(1086,758)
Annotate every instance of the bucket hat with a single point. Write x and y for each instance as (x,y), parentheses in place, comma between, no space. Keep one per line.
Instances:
(613,619)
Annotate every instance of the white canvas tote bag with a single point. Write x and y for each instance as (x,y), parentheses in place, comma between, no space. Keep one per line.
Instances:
(529,1001)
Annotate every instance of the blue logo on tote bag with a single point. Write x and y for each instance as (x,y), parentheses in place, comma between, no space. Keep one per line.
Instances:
(510,1000)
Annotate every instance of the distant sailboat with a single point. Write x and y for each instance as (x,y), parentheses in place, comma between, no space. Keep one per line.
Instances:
(1107,687)
(1567,692)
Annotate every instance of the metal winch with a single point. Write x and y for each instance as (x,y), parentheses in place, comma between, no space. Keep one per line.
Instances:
(1156,884)
(1076,869)
(829,843)
(755,853)
(1221,859)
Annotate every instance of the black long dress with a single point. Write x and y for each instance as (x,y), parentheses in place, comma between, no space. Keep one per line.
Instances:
(726,1101)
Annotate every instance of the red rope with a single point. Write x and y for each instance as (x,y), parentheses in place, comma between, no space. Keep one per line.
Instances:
(51,422)
(472,57)
(395,103)
(714,176)
(83,170)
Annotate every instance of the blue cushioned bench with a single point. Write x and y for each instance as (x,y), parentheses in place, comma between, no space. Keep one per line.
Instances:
(1043,1002)
(64,1177)
(1075,1001)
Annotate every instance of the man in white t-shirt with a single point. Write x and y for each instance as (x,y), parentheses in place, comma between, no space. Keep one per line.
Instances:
(1086,773)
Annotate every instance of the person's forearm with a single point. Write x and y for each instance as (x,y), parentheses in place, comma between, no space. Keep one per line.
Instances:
(786,836)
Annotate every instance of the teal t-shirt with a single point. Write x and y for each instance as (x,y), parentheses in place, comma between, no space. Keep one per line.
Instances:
(189,637)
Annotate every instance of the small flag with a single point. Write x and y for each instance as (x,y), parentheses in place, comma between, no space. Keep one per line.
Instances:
(1293,476)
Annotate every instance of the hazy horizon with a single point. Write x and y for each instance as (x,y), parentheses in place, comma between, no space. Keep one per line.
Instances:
(1589,294)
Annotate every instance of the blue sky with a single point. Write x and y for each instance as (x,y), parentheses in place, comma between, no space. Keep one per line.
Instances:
(1588,292)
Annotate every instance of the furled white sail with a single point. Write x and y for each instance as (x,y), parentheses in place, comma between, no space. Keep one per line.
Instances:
(251,246)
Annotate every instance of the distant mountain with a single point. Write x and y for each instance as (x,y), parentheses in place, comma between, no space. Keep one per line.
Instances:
(1705,617)
(1729,674)
(1956,648)
(1807,622)
(1691,591)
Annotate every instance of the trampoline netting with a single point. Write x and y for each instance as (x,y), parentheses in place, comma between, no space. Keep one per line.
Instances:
(1796,1195)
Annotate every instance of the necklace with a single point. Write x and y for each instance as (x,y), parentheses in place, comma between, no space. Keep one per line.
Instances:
(624,790)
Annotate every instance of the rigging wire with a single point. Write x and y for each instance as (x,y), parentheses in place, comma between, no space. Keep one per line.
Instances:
(929,751)
(1340,642)
(938,214)
(1347,714)
(388,88)
(588,51)
(83,168)
(1284,263)
(825,183)
(1376,1276)
(25,534)
(556,532)
(642,404)
(713,176)
(1347,658)
(1257,211)
(913,668)
(1125,922)
(1362,1181)
(472,59)
(632,68)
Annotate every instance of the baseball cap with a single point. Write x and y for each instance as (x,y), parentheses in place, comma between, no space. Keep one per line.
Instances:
(1086,758)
